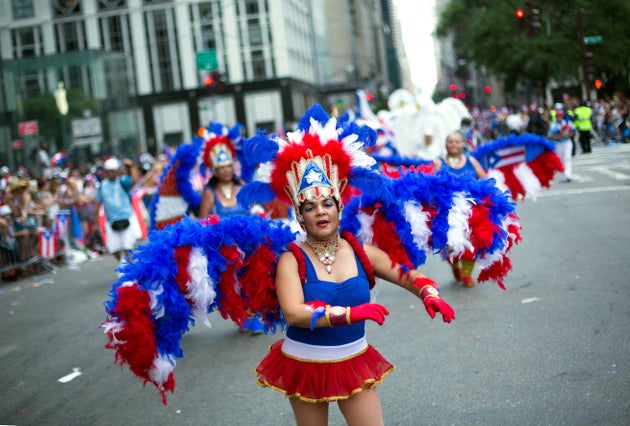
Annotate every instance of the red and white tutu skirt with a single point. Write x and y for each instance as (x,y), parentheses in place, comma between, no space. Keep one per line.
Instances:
(321,373)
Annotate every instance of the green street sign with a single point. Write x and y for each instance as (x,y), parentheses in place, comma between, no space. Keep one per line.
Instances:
(593,40)
(207,60)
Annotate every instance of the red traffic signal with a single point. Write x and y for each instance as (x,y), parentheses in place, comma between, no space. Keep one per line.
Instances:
(598,84)
(520,13)
(453,87)
(487,89)
(462,95)
(208,81)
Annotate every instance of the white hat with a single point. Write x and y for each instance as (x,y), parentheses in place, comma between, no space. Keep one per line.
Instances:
(112,164)
(558,106)
(5,210)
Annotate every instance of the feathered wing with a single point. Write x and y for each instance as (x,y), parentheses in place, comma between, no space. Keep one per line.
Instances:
(424,214)
(192,268)
(522,164)
(178,191)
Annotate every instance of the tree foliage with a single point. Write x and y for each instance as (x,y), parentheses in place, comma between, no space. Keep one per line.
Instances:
(488,34)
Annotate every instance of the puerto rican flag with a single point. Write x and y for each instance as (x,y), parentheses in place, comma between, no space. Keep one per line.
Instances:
(505,156)
(522,164)
(47,242)
(61,224)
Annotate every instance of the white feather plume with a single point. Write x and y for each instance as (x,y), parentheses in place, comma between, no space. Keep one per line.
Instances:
(200,287)
(418,219)
(459,229)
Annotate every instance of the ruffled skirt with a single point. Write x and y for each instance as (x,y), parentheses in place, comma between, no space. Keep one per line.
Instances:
(321,381)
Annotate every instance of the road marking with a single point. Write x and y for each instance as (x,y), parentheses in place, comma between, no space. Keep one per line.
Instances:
(552,192)
(613,174)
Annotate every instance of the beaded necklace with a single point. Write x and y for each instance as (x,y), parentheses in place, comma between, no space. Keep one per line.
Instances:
(325,251)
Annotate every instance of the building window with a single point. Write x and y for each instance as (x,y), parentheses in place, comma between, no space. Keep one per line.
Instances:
(23,9)
(206,23)
(162,37)
(104,5)
(115,34)
(251,7)
(26,42)
(258,64)
(29,83)
(255,32)
(67,7)
(70,36)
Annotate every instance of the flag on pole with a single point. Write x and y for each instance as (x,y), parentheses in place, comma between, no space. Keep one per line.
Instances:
(47,242)
(77,230)
(61,224)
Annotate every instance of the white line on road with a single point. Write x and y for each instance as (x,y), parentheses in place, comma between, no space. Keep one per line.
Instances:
(552,192)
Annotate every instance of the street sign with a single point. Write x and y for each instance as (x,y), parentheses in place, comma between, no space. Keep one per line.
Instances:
(593,39)
(28,128)
(207,60)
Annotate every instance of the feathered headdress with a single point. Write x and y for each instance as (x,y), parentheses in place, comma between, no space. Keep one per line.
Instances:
(219,148)
(319,159)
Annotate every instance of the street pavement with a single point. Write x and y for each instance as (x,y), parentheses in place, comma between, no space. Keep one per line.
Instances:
(553,349)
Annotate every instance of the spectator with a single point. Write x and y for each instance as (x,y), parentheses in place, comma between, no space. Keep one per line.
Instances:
(121,227)
(42,159)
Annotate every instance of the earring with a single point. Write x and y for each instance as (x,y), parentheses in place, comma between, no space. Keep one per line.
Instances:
(299,218)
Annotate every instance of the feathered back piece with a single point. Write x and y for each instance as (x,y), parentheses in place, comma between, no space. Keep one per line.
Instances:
(319,159)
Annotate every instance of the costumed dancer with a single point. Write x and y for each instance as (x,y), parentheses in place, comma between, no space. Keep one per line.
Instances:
(561,131)
(458,163)
(318,283)
(219,195)
(323,283)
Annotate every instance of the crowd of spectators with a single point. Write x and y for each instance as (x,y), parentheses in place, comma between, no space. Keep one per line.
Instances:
(611,119)
(31,199)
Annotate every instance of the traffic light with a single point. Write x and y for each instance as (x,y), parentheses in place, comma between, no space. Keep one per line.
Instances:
(215,82)
(453,87)
(487,89)
(520,13)
(597,83)
(589,66)
(533,21)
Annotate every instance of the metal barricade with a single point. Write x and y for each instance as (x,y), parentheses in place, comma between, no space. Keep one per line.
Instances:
(27,249)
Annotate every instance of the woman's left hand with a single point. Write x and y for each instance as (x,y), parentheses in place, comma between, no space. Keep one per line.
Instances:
(436,304)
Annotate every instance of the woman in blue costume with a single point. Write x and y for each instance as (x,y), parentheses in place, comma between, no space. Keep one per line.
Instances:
(458,163)
(323,287)
(219,196)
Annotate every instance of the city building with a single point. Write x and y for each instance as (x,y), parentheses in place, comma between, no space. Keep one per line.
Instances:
(125,77)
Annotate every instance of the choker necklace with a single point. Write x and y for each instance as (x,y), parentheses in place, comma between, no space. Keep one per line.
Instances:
(325,251)
(453,160)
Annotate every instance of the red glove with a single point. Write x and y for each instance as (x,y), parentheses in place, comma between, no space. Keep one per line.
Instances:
(432,304)
(430,296)
(340,315)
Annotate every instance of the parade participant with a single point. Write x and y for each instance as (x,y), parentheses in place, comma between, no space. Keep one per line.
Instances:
(121,228)
(561,131)
(325,356)
(219,196)
(313,279)
(460,164)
